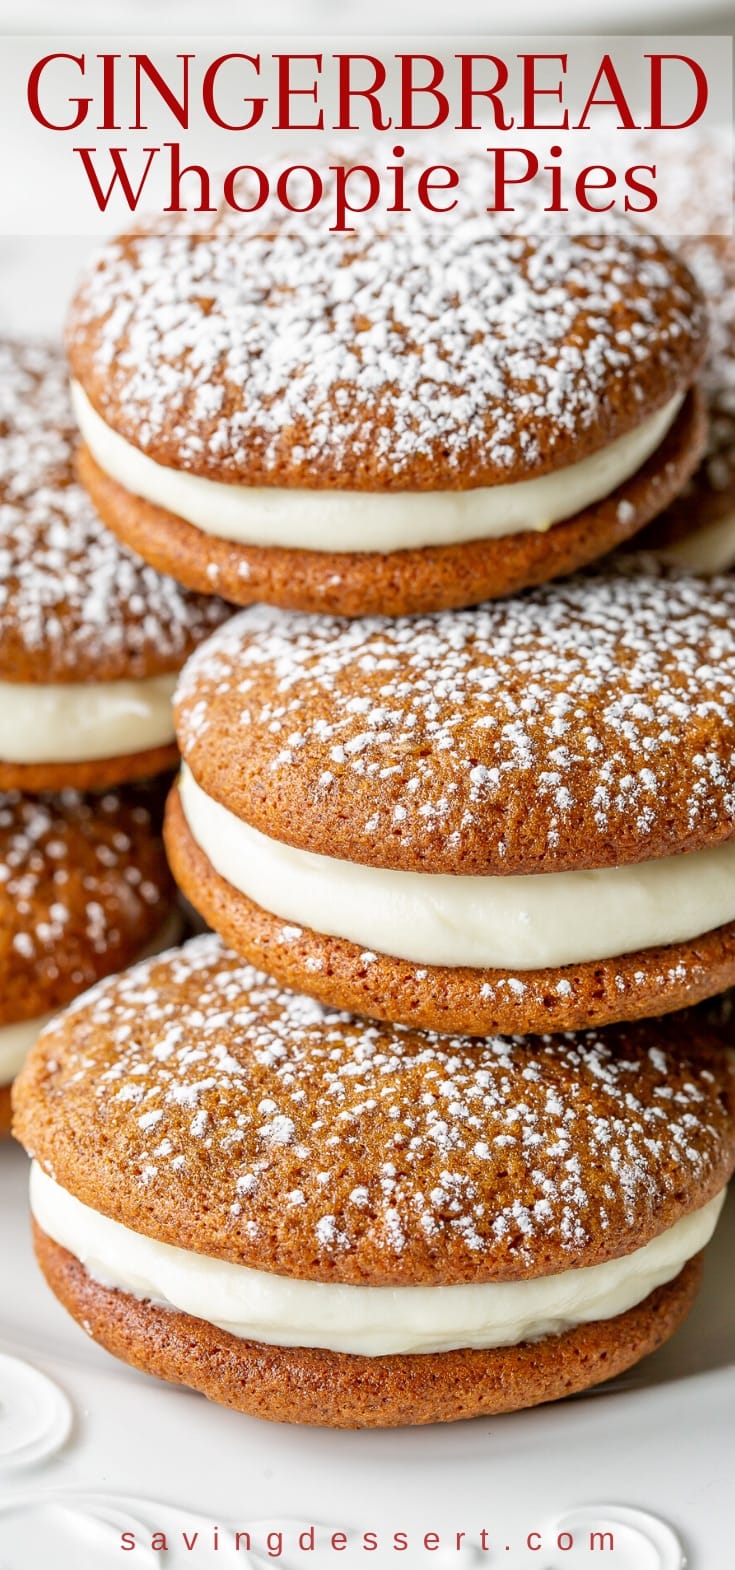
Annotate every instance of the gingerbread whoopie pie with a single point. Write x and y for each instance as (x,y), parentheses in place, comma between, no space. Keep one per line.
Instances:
(91,639)
(412,416)
(317,1219)
(515,817)
(698,529)
(84,890)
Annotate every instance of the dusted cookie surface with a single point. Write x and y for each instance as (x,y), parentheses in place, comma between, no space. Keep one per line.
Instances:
(518,817)
(84,887)
(76,606)
(585,724)
(232,1118)
(87,630)
(332,1195)
(409,355)
(404,418)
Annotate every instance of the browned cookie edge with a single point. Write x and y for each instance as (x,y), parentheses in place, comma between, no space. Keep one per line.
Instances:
(93,774)
(339,1390)
(401,582)
(439,997)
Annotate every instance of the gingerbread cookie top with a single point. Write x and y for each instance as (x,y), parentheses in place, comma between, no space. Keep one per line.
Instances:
(84,887)
(413,355)
(589,723)
(75,605)
(229,1117)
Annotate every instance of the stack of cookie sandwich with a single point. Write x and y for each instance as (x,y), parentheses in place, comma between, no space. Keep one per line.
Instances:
(697,530)
(406,1138)
(91,640)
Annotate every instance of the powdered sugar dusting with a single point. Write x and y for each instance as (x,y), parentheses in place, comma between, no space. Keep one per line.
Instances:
(414,354)
(73,601)
(331,1147)
(78,876)
(583,723)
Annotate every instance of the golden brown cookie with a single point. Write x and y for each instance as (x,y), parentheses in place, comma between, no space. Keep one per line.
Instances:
(695,204)
(700,523)
(191,1109)
(95,774)
(409,581)
(443,997)
(84,890)
(332,1390)
(517,817)
(91,638)
(402,418)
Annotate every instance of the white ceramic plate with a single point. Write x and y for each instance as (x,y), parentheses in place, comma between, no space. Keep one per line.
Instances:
(89,1449)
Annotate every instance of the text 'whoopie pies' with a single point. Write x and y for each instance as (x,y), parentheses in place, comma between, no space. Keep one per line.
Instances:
(91,639)
(517,817)
(317,1219)
(84,890)
(419,415)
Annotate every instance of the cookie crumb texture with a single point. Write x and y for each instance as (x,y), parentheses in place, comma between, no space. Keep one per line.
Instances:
(334,1390)
(403,357)
(340,973)
(229,1117)
(584,724)
(404,582)
(98,774)
(407,357)
(75,604)
(84,887)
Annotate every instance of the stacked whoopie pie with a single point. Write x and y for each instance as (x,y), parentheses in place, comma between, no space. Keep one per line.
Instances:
(407,418)
(91,640)
(501,837)
(697,530)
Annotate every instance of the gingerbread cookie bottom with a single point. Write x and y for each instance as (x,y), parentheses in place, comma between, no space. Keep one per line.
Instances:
(442,998)
(336,1390)
(709,497)
(699,538)
(94,774)
(6,1110)
(401,582)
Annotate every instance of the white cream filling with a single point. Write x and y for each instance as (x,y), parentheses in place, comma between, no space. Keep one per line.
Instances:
(372,1321)
(17,1038)
(76,722)
(497,923)
(706,550)
(335,520)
